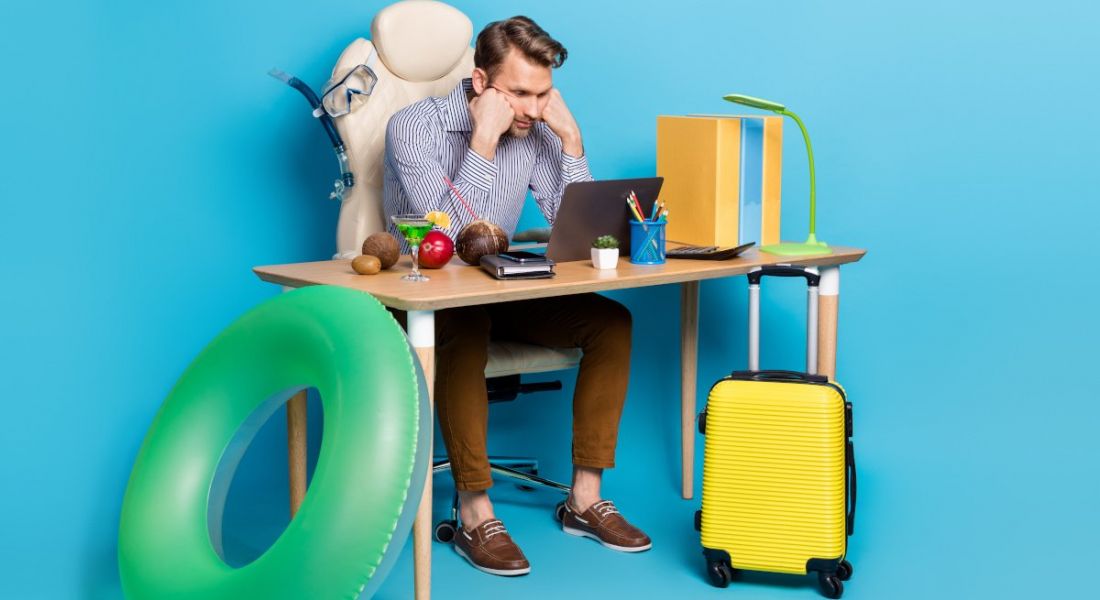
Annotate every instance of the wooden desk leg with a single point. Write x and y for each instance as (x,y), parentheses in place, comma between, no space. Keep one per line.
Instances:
(296,445)
(828,303)
(689,345)
(421,328)
(296,449)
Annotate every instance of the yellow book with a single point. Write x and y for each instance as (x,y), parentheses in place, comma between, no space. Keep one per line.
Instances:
(773,175)
(722,178)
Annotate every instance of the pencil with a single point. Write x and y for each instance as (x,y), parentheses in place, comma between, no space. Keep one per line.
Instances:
(634,207)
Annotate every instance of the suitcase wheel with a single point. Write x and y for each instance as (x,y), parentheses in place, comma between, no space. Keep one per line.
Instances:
(719,573)
(831,586)
(844,570)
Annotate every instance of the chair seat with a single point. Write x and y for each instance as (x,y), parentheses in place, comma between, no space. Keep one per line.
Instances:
(515,358)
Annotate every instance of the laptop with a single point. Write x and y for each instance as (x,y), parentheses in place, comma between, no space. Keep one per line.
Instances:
(590,209)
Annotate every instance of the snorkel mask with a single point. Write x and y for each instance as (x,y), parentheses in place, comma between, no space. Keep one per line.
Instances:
(341,96)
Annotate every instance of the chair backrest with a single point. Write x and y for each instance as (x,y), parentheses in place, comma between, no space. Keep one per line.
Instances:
(420,48)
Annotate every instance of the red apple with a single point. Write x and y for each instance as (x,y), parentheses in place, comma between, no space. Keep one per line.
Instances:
(436,250)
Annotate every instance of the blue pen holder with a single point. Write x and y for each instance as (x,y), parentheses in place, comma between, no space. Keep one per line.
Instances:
(647,242)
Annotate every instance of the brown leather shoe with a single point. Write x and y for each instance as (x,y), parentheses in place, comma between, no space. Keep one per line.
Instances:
(489,548)
(603,523)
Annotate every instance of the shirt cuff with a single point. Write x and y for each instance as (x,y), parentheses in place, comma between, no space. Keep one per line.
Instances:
(575,168)
(477,171)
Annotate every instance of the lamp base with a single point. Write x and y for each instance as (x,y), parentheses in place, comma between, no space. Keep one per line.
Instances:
(808,248)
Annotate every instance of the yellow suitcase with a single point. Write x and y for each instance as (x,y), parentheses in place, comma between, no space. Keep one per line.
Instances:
(779,483)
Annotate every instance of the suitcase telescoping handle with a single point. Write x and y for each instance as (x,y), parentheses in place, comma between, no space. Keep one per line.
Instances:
(812,280)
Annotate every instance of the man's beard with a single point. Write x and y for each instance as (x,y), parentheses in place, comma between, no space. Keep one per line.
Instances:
(518,132)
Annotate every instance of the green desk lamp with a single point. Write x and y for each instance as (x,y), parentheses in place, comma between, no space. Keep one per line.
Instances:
(811,245)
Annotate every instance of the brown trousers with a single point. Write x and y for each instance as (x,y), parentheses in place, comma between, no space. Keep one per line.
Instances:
(597,325)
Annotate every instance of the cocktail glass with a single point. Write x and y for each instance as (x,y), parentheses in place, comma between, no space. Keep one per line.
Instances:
(414,227)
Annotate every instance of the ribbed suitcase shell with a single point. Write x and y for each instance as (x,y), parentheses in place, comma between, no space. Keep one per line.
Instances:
(774,474)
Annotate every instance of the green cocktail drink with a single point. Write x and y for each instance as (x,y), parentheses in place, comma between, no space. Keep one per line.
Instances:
(414,227)
(414,232)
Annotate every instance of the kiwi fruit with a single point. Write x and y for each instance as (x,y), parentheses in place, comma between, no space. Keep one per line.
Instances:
(366,264)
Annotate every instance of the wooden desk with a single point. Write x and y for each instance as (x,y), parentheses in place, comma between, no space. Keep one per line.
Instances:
(461,285)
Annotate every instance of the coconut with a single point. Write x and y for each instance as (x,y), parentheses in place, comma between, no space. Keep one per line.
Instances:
(384,246)
(478,239)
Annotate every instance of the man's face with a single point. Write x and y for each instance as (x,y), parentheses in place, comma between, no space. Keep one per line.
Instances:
(525,84)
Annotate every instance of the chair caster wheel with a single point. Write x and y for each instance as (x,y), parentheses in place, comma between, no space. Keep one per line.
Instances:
(445,531)
(559,512)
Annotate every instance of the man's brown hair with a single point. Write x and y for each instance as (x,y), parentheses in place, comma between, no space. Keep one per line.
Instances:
(499,37)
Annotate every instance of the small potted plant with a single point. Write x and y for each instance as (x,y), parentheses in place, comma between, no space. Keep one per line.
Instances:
(605,252)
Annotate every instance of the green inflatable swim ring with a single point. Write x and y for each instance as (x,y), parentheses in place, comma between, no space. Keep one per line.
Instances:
(369,475)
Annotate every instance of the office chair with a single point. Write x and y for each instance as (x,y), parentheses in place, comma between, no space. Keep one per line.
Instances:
(421,48)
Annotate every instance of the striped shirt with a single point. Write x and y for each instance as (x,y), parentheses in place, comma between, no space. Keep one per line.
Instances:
(431,139)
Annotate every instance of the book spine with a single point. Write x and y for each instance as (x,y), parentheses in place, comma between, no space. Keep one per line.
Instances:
(752,178)
(772,177)
(727,156)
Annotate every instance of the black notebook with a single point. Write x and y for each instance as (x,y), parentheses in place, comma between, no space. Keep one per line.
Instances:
(503,268)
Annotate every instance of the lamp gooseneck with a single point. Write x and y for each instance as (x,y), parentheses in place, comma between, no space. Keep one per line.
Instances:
(813,179)
(811,245)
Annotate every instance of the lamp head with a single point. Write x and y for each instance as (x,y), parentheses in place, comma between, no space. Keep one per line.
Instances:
(754,102)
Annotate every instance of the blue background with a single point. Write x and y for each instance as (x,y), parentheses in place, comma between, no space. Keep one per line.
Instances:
(148,163)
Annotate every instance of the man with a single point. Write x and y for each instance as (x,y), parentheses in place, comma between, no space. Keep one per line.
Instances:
(501,132)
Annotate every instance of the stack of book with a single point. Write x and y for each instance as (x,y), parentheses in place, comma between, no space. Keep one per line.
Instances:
(722,176)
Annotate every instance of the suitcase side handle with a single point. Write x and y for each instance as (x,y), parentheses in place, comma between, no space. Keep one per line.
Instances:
(851,456)
(778,375)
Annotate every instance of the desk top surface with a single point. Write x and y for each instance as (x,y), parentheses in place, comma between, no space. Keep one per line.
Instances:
(458,284)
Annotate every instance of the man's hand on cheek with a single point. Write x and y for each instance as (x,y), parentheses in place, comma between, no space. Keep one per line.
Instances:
(561,122)
(492,115)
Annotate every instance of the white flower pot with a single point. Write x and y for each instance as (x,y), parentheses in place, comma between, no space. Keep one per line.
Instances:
(605,258)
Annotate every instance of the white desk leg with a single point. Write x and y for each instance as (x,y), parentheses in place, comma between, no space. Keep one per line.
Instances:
(421,328)
(828,303)
(689,345)
(296,445)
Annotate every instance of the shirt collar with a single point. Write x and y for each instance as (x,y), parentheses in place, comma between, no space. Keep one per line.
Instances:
(455,111)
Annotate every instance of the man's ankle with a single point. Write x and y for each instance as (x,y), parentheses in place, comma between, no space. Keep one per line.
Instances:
(474,509)
(579,504)
(586,488)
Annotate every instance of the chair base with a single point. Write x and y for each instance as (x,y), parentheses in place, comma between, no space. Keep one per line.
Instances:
(522,471)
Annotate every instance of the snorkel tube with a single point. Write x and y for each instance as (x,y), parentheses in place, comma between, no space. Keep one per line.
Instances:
(346,180)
